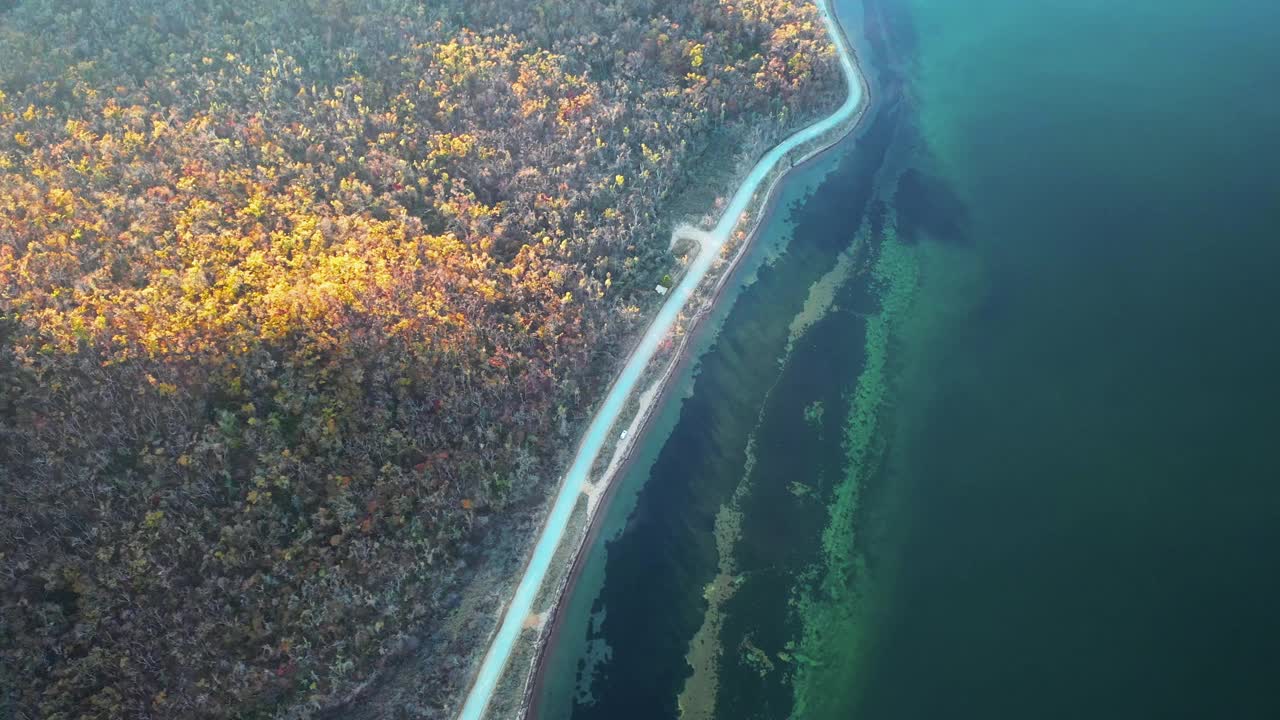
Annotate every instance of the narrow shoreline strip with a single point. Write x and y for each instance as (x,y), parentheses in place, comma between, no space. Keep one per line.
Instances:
(503,642)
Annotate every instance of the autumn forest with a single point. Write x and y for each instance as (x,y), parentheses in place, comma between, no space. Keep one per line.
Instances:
(298,300)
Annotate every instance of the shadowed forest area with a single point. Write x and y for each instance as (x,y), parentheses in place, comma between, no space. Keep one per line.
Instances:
(299,299)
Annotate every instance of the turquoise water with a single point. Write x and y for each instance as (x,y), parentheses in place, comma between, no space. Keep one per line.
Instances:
(1021,463)
(1090,494)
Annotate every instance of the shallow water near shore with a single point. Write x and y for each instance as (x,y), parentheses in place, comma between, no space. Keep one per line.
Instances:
(987,430)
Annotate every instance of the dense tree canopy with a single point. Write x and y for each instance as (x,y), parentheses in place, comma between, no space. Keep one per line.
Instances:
(291,290)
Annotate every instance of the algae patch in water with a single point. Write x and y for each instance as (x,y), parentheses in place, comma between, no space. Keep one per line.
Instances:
(830,595)
(697,700)
(813,413)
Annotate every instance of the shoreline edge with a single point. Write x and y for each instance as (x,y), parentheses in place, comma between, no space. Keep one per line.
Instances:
(754,198)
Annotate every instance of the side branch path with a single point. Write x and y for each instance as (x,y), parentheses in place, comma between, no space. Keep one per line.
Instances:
(710,243)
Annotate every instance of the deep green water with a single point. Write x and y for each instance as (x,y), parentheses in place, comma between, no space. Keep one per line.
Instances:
(1027,462)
